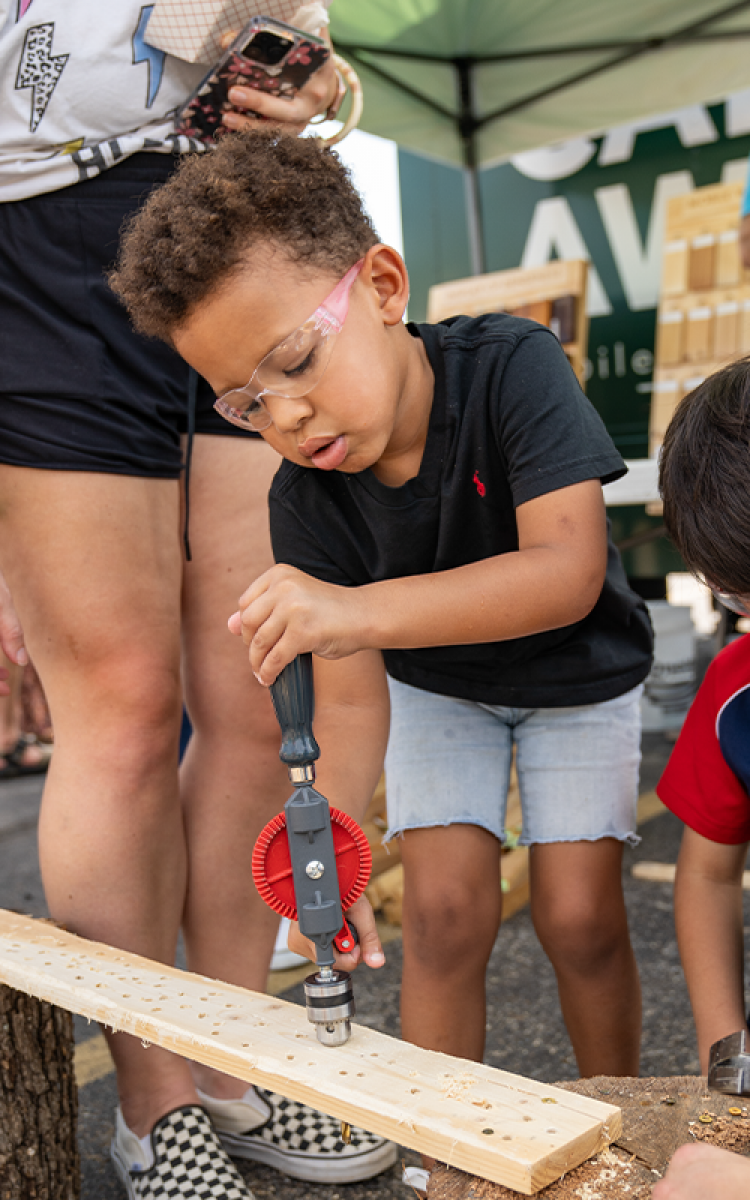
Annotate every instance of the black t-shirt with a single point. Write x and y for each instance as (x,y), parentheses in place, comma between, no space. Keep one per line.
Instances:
(508,423)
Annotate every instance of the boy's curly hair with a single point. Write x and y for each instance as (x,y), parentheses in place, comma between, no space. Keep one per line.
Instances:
(196,230)
(704,478)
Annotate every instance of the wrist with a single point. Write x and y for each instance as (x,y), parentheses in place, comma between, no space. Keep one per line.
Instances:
(338,97)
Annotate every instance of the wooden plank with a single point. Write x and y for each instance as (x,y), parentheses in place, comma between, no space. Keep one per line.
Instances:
(658,872)
(507,289)
(649,806)
(506,1128)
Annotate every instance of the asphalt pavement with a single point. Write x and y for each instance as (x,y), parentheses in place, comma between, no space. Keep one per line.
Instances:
(525,1033)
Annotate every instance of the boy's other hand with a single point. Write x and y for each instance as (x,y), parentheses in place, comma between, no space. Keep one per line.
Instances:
(369,950)
(702,1172)
(285,613)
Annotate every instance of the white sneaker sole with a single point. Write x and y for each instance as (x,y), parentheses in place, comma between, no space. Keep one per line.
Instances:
(123,1173)
(352,1168)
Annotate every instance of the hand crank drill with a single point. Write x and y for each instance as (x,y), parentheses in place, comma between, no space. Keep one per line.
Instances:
(312,858)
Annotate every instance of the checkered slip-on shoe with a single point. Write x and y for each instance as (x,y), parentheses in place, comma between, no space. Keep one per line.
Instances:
(189,1162)
(296,1139)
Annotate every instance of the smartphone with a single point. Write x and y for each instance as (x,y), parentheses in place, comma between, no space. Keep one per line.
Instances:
(267,55)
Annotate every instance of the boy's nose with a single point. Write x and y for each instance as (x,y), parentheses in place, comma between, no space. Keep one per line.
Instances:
(288,412)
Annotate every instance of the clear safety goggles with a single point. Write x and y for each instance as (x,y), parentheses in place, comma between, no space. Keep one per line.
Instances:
(737,604)
(296,365)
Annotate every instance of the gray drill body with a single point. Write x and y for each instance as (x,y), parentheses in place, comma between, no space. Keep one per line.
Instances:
(328,993)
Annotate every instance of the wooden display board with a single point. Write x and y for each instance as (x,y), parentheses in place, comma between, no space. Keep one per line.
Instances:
(703,319)
(553,294)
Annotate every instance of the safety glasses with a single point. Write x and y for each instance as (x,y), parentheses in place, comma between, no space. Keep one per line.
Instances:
(737,604)
(296,365)
(734,601)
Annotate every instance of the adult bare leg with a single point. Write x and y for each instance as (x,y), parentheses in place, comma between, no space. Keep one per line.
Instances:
(232,781)
(451,915)
(94,565)
(578,909)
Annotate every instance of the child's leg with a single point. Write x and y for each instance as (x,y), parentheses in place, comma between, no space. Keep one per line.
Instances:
(451,915)
(578,774)
(447,772)
(579,915)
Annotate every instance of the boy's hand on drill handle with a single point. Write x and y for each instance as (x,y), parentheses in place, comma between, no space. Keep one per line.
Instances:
(369,950)
(285,613)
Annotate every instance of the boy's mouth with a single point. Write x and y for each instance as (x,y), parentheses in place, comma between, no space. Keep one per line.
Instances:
(325,453)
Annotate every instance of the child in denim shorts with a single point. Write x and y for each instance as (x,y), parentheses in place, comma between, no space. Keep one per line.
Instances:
(438,522)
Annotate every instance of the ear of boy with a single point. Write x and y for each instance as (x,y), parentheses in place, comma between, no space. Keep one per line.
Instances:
(385,271)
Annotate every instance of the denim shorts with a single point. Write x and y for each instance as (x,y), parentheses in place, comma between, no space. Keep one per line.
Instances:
(449,762)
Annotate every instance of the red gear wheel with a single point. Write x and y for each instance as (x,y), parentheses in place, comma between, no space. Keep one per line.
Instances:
(272,863)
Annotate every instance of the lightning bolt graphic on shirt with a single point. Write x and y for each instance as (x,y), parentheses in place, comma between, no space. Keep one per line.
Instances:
(38,69)
(142,52)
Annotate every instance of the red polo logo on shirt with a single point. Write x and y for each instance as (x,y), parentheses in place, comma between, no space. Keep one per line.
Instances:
(481,489)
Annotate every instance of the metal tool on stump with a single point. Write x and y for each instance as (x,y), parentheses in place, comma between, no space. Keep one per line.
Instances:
(312,862)
(729,1064)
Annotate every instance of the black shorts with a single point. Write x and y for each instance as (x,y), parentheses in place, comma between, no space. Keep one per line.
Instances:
(79,389)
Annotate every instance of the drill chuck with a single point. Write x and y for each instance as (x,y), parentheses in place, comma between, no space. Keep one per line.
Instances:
(330,1005)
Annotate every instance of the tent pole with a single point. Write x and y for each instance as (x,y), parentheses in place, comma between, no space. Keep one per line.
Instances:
(467,126)
(474,220)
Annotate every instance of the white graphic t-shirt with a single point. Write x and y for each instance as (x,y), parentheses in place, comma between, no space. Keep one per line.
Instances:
(80,89)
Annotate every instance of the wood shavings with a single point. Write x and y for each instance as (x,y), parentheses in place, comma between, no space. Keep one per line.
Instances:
(455,1087)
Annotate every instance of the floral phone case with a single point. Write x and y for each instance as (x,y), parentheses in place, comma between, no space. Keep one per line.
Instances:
(269,56)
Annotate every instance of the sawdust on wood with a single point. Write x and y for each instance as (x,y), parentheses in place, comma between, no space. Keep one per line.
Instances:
(611,1175)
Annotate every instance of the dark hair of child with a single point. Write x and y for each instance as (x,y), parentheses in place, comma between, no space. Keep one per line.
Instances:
(197,230)
(704,478)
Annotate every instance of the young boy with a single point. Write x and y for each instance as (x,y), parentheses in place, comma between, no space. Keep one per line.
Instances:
(705,481)
(439,517)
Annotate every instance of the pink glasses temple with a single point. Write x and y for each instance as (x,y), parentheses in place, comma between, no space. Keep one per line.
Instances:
(336,305)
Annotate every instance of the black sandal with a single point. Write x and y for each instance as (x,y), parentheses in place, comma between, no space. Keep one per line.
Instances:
(13,759)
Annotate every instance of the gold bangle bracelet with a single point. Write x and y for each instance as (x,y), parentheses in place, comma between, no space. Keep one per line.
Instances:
(350,79)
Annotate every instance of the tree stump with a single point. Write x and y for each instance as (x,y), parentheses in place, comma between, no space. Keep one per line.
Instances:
(38,1101)
(658,1115)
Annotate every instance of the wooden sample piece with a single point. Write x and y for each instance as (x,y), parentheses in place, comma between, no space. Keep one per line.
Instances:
(511,1130)
(744,331)
(670,337)
(728,263)
(664,399)
(726,330)
(701,262)
(530,291)
(674,273)
(699,334)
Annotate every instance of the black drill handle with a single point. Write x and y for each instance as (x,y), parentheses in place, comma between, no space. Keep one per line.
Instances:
(292,696)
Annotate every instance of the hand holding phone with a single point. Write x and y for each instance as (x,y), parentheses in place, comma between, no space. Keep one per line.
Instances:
(267,56)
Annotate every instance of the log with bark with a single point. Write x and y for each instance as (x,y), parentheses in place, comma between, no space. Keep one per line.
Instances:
(38,1100)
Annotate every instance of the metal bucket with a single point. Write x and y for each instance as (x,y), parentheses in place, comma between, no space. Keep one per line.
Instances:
(671,685)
